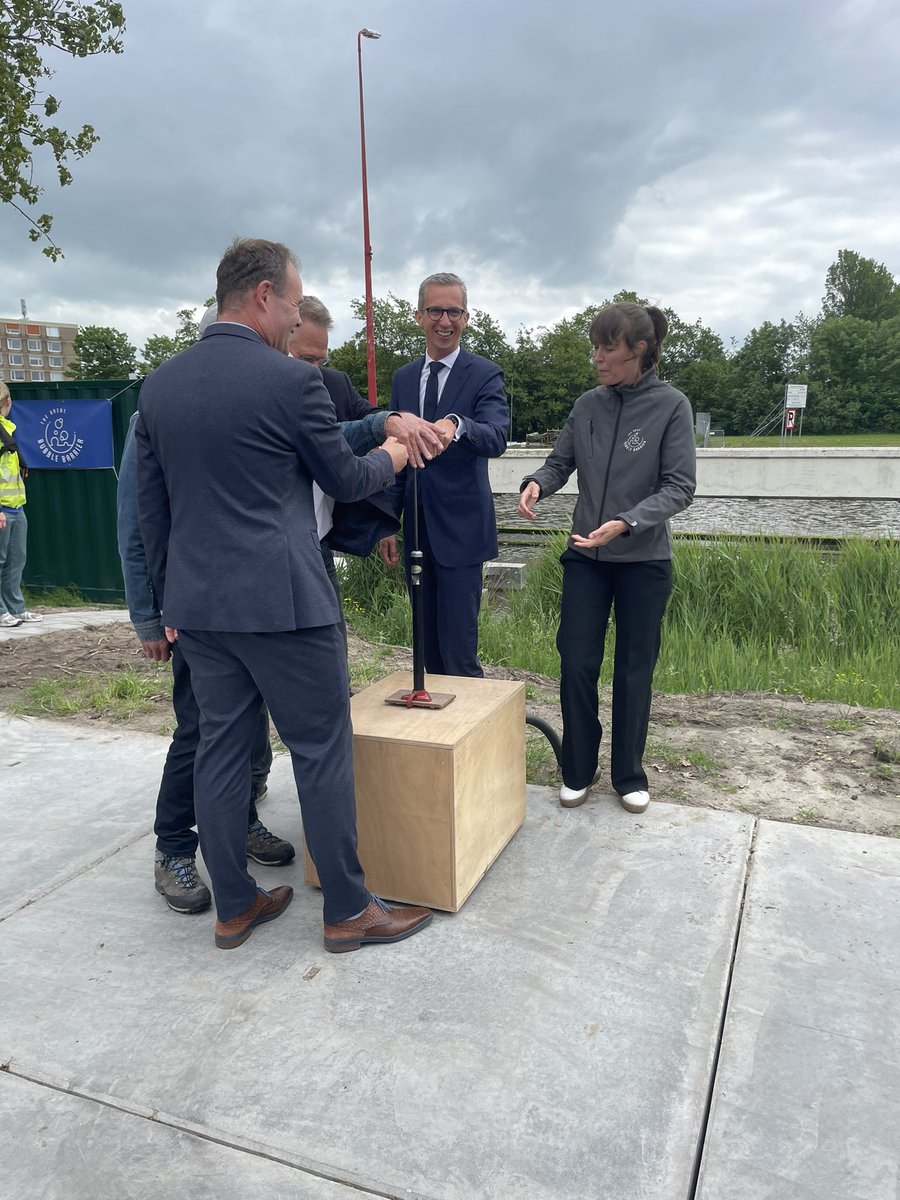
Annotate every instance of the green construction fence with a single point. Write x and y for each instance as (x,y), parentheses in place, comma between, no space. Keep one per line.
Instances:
(72,513)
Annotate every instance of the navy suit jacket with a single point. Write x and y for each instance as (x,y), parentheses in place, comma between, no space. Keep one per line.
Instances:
(357,528)
(454,488)
(230,436)
(348,403)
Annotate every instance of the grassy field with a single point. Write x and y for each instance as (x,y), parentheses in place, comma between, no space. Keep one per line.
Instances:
(813,441)
(777,617)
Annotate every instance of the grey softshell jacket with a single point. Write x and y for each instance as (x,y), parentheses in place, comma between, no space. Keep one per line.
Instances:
(633,448)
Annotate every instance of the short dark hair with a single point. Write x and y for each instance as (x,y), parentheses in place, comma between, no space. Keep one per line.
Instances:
(247,262)
(631,323)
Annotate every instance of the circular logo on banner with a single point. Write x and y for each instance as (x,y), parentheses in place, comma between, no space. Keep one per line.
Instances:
(58,441)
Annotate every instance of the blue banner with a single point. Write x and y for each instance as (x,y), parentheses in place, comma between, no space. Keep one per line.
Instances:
(64,434)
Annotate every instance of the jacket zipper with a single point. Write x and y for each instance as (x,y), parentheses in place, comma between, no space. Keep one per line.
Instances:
(612,449)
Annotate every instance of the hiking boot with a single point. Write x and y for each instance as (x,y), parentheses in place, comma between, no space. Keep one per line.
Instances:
(179,884)
(264,847)
(8,621)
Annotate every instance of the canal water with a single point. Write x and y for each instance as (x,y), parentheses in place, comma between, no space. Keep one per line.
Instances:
(790,518)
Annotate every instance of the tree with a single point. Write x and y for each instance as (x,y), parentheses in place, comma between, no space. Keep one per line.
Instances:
(398,339)
(103,353)
(484,336)
(855,376)
(160,347)
(758,373)
(860,287)
(28,28)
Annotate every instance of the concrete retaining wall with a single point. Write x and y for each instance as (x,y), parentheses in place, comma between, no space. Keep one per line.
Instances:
(849,474)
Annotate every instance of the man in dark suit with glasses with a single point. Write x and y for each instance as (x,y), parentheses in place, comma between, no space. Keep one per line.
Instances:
(463,395)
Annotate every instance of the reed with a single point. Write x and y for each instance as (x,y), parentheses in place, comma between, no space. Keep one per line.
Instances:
(744,616)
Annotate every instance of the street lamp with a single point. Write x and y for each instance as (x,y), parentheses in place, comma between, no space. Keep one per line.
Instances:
(367,245)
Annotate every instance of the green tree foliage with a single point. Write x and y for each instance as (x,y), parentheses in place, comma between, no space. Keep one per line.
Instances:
(855,373)
(758,372)
(850,361)
(694,361)
(860,287)
(160,347)
(28,30)
(397,340)
(484,336)
(103,353)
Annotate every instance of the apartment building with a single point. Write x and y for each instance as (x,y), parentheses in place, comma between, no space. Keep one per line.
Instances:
(34,352)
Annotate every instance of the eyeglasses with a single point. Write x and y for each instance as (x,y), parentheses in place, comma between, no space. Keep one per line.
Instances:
(313,361)
(455,314)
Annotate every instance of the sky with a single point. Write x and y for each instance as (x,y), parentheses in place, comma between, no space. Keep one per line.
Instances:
(711,155)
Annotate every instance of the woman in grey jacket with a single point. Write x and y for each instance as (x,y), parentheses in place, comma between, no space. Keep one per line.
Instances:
(631,440)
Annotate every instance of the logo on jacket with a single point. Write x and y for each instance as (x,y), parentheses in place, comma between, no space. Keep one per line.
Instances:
(634,441)
(57,442)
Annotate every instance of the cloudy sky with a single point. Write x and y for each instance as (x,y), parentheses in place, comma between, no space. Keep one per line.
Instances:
(713,155)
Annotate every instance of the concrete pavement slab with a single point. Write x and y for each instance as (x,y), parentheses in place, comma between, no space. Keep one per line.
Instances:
(807,1096)
(69,618)
(80,795)
(55,1146)
(552,1040)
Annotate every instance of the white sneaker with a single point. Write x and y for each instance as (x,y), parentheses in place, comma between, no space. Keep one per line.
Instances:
(635,802)
(572,797)
(8,621)
(30,616)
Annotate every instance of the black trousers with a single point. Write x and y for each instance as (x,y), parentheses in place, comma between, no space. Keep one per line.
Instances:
(638,591)
(175,819)
(302,676)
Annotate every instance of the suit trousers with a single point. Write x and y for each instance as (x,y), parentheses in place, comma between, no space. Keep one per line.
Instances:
(638,592)
(451,599)
(301,674)
(175,819)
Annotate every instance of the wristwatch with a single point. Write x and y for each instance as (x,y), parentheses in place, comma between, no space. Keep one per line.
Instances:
(454,418)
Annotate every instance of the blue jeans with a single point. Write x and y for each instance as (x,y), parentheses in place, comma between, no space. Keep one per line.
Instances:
(12,562)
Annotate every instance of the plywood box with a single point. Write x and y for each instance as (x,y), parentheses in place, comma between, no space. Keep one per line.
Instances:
(439,793)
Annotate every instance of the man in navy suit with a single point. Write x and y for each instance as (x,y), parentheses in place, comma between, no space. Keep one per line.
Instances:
(231,435)
(463,395)
(355,528)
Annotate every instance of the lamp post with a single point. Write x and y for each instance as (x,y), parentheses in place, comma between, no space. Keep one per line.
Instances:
(367,245)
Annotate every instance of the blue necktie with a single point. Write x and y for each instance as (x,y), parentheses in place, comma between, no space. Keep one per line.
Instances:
(431,391)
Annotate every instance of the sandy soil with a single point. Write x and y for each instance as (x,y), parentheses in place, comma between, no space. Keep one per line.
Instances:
(772,756)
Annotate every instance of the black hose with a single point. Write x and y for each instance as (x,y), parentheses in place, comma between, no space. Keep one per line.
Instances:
(549,733)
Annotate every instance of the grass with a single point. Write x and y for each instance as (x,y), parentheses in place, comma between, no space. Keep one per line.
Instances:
(844,724)
(540,761)
(807,816)
(777,617)
(59,597)
(692,757)
(369,670)
(114,697)
(813,441)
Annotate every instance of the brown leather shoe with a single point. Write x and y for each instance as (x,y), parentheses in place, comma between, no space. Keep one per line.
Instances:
(379,923)
(266,907)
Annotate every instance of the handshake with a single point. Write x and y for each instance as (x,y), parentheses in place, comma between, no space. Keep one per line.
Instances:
(410,439)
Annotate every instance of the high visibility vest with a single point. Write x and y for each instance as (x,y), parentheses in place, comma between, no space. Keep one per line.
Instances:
(12,486)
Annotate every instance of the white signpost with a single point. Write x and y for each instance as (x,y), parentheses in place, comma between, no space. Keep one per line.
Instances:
(794,399)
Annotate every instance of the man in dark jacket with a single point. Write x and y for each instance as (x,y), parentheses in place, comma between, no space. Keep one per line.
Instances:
(231,435)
